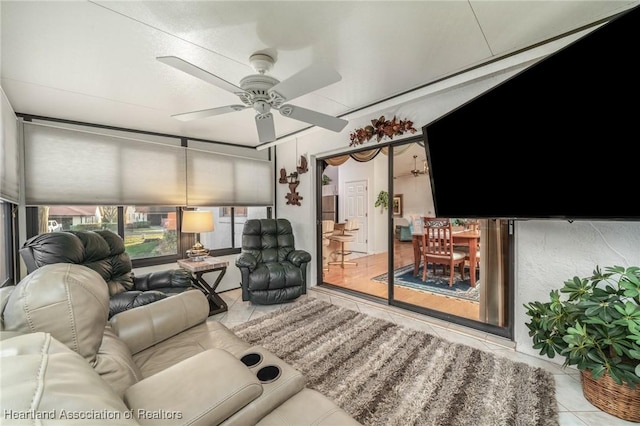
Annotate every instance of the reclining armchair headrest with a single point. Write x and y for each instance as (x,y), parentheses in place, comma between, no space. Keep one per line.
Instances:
(102,251)
(269,240)
(68,301)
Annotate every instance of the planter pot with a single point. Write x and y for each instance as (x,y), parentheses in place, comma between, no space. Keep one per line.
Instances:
(618,400)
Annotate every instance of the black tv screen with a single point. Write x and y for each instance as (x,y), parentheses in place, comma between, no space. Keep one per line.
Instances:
(558,140)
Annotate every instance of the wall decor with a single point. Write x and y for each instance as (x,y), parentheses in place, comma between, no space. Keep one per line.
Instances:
(302,168)
(397,205)
(381,128)
(293,197)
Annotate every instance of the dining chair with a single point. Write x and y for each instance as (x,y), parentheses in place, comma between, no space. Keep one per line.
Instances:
(437,248)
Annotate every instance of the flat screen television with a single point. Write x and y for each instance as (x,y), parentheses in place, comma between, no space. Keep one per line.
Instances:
(558,140)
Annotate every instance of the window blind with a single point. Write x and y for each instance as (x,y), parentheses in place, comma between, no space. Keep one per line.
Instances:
(9,158)
(215,179)
(64,166)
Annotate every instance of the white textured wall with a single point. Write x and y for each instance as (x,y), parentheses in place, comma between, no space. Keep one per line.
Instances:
(548,252)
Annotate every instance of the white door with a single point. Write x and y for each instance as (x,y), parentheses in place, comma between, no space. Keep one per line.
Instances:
(355,208)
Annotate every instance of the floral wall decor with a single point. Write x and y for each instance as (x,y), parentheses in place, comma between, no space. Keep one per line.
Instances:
(381,128)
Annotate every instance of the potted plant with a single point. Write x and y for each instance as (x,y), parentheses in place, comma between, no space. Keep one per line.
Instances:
(594,323)
(382,200)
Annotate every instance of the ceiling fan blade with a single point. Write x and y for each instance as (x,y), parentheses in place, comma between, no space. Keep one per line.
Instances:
(266,128)
(197,72)
(188,116)
(309,79)
(313,117)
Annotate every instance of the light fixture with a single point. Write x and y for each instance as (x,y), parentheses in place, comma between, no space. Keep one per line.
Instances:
(194,221)
(415,172)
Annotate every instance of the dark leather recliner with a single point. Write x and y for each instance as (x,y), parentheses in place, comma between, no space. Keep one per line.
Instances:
(104,252)
(272,270)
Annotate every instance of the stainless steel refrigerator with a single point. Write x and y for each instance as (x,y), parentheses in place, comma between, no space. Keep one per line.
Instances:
(330,207)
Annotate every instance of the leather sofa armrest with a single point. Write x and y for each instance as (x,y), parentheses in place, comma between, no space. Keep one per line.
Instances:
(246,260)
(298,257)
(169,278)
(147,325)
(275,391)
(212,385)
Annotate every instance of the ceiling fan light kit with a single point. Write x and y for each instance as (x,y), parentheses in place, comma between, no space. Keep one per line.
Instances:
(264,93)
(415,172)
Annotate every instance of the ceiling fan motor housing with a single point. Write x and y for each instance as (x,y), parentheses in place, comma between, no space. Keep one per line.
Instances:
(256,88)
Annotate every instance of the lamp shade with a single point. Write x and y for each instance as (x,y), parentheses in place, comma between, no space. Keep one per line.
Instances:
(197,221)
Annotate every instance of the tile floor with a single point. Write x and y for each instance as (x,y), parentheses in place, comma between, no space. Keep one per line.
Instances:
(574,409)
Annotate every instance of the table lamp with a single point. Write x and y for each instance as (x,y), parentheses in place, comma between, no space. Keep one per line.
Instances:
(195,222)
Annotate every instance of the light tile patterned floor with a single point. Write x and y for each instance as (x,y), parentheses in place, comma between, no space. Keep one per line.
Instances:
(574,409)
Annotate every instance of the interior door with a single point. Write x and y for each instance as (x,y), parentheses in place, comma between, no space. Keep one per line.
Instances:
(355,208)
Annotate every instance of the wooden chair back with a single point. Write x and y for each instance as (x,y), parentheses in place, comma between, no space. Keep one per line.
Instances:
(437,247)
(437,241)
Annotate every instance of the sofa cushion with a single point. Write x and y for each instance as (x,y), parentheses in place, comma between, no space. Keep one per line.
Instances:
(275,275)
(44,382)
(115,364)
(208,335)
(69,301)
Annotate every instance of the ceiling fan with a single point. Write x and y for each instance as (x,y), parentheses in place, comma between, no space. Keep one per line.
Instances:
(417,172)
(264,93)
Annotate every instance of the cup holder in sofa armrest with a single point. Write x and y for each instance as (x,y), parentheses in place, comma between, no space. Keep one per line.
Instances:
(251,359)
(268,373)
(279,380)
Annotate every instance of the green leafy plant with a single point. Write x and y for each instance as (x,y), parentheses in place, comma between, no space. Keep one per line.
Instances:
(325,180)
(382,200)
(458,222)
(596,327)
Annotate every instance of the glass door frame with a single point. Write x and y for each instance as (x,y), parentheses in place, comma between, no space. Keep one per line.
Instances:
(506,332)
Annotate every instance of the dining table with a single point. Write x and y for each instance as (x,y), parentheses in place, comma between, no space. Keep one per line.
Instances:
(466,237)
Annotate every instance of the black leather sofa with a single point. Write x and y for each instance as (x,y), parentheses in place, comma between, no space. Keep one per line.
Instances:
(272,270)
(104,252)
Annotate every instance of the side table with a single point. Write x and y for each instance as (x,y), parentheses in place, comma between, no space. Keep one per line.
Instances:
(197,269)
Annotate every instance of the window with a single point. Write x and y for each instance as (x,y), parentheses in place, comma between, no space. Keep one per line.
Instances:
(151,233)
(121,168)
(6,246)
(229,222)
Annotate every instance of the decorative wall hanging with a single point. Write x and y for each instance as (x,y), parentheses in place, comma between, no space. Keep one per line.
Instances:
(293,198)
(302,168)
(381,128)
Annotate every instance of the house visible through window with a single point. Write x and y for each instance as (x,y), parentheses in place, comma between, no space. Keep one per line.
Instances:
(149,232)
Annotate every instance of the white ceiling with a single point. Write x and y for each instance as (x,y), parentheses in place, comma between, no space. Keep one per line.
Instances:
(95,61)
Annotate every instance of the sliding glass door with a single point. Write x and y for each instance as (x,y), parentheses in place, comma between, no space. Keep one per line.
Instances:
(375,204)
(354,232)
(463,272)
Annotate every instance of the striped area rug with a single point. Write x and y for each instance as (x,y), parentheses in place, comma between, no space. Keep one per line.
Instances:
(385,374)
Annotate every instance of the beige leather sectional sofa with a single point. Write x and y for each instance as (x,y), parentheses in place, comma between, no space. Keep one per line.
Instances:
(62,362)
